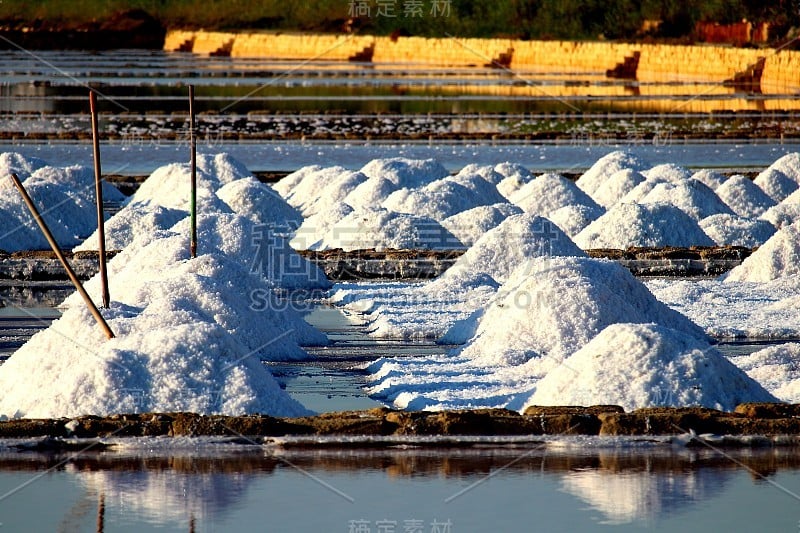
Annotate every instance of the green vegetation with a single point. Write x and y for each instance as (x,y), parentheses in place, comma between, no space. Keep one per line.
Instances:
(535,19)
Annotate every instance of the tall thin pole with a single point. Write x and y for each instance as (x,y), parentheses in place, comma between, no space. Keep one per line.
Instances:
(98,189)
(193,200)
(56,250)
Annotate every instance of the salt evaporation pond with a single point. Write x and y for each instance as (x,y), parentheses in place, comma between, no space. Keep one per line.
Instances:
(520,308)
(221,486)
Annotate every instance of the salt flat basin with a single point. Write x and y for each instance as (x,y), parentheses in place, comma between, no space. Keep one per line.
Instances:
(227,484)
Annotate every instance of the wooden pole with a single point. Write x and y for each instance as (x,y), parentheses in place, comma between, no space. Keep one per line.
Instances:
(98,188)
(193,200)
(101,512)
(56,250)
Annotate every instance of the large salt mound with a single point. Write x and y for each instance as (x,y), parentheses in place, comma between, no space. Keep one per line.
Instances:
(789,165)
(307,189)
(189,338)
(260,203)
(776,184)
(690,196)
(408,173)
(785,213)
(487,172)
(514,177)
(479,185)
(733,230)
(616,186)
(667,172)
(605,167)
(551,306)
(216,284)
(468,226)
(79,180)
(779,257)
(383,229)
(170,186)
(70,216)
(650,225)
(647,365)
(438,200)
(548,193)
(16,163)
(776,368)
(431,309)
(370,194)
(571,219)
(331,193)
(311,232)
(515,240)
(133,221)
(710,178)
(159,363)
(744,197)
(286,185)
(264,249)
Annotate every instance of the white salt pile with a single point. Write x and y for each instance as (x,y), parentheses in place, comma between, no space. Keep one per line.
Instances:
(16,163)
(777,368)
(468,226)
(382,229)
(514,241)
(370,194)
(406,173)
(133,221)
(187,340)
(306,183)
(440,199)
(646,365)
(486,172)
(285,185)
(572,219)
(321,195)
(514,177)
(744,197)
(69,214)
(607,166)
(251,198)
(191,333)
(311,232)
(647,225)
(733,230)
(781,178)
(548,193)
(667,172)
(264,249)
(787,212)
(430,309)
(690,196)
(775,184)
(710,178)
(617,186)
(170,186)
(779,257)
(550,307)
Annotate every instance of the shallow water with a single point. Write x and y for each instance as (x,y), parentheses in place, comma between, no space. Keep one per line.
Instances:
(565,485)
(141,158)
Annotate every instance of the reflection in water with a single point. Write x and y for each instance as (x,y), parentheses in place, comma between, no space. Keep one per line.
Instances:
(211,485)
(167,496)
(643,494)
